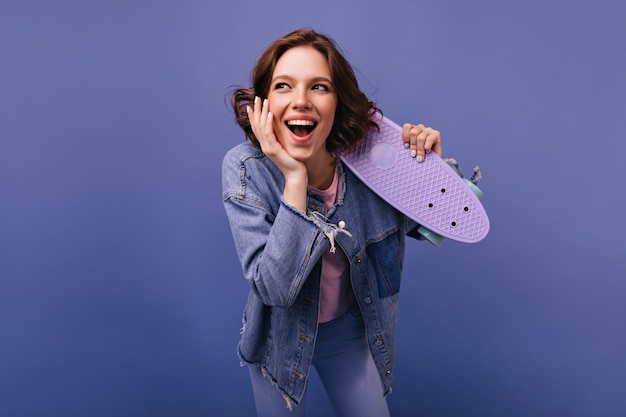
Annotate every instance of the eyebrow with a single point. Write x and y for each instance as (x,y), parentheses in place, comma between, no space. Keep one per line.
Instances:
(290,78)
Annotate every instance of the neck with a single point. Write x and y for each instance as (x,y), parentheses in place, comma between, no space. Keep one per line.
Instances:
(321,175)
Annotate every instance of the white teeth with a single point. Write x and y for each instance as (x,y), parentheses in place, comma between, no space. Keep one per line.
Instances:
(300,123)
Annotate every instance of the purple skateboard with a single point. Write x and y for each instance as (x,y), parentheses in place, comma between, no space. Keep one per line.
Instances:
(429,192)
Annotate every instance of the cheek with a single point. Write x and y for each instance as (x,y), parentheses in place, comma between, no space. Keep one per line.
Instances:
(281,132)
(331,111)
(278,131)
(330,116)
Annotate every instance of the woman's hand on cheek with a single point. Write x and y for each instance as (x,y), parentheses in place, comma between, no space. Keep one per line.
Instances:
(294,171)
(261,124)
(261,120)
(420,140)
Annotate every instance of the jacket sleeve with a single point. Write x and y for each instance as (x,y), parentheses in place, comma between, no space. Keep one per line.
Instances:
(277,248)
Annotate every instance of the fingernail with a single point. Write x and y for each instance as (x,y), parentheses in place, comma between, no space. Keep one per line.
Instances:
(413,153)
(407,146)
(247,109)
(420,159)
(269,115)
(256,99)
(264,102)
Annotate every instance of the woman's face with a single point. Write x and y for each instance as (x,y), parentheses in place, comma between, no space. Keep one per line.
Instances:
(303,101)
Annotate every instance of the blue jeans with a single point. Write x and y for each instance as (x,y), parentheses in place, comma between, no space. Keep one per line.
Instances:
(345,366)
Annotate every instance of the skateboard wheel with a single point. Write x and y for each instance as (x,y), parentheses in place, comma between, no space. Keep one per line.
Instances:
(474,188)
(429,235)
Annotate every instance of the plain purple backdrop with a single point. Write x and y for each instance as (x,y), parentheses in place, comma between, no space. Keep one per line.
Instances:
(120,292)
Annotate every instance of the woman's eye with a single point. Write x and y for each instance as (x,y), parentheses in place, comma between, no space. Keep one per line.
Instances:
(280,86)
(321,87)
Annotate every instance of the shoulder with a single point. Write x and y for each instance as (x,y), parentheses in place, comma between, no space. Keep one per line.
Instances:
(250,159)
(240,153)
(247,171)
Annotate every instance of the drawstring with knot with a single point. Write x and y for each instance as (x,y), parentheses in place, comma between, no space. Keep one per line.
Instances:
(330,230)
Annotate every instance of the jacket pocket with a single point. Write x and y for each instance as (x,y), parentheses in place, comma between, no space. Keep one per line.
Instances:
(386,255)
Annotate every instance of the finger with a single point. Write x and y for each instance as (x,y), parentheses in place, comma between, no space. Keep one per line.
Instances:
(432,142)
(266,120)
(263,128)
(264,110)
(257,110)
(253,114)
(269,120)
(429,140)
(258,118)
(417,142)
(420,146)
(406,132)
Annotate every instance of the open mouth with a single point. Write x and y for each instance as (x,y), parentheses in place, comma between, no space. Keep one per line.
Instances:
(301,128)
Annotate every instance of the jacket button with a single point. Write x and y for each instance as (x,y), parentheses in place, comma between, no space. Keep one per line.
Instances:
(341,224)
(358,260)
(368,300)
(379,342)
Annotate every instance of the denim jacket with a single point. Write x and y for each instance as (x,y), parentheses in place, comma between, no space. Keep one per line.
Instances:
(280,249)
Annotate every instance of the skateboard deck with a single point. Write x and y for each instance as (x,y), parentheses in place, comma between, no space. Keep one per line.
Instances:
(429,192)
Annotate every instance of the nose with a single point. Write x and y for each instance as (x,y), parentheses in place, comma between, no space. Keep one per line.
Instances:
(301,99)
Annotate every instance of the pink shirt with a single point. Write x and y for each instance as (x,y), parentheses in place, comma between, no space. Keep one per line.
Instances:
(336,290)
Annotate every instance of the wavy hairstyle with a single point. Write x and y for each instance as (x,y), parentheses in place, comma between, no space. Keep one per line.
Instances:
(354,112)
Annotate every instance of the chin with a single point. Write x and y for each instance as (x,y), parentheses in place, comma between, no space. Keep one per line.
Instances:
(300,154)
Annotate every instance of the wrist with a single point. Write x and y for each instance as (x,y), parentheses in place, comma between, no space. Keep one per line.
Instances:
(295,191)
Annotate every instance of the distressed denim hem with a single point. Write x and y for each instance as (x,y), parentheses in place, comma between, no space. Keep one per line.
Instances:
(290,402)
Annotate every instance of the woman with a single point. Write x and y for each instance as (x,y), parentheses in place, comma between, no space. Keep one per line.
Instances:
(322,253)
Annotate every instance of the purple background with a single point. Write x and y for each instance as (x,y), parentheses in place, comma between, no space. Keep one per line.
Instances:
(120,292)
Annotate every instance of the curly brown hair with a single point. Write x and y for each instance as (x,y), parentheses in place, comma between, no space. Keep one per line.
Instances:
(354,112)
